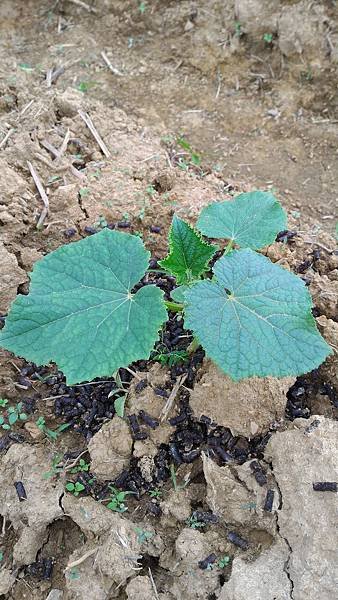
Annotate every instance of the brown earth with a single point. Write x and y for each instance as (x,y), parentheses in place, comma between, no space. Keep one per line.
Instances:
(262,114)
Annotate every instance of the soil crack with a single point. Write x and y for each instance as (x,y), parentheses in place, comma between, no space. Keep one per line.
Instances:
(287,562)
(79,199)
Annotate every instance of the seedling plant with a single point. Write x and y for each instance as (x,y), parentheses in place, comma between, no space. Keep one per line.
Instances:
(252,317)
(10,414)
(117,500)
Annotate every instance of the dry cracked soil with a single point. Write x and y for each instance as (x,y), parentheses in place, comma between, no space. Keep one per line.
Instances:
(221,502)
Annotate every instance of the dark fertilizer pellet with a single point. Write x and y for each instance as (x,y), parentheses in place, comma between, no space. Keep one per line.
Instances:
(258,473)
(68,233)
(124,224)
(325,486)
(312,427)
(20,490)
(41,569)
(141,385)
(90,230)
(237,540)
(270,494)
(154,509)
(285,236)
(205,517)
(209,560)
(175,454)
(155,229)
(148,419)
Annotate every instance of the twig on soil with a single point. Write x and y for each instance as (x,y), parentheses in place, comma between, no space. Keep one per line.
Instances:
(73,464)
(25,108)
(169,403)
(49,77)
(6,138)
(79,561)
(319,246)
(42,193)
(54,152)
(86,118)
(153,585)
(81,4)
(3,526)
(63,146)
(110,66)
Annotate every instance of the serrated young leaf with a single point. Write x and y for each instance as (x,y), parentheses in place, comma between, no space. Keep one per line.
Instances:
(250,220)
(255,318)
(81,313)
(189,254)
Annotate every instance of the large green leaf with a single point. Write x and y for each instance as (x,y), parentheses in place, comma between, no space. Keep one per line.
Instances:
(251,220)
(189,254)
(81,313)
(255,318)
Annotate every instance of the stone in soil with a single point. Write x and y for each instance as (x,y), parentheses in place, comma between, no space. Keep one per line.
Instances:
(306,518)
(29,518)
(189,581)
(247,407)
(11,277)
(110,449)
(118,548)
(263,579)
(235,496)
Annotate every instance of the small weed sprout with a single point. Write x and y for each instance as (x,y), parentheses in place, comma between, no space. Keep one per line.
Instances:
(143,535)
(223,562)
(52,434)
(156,493)
(117,500)
(75,488)
(83,466)
(268,37)
(194,523)
(11,414)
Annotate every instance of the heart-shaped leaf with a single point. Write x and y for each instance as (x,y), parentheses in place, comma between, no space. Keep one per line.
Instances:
(189,254)
(255,318)
(250,220)
(81,312)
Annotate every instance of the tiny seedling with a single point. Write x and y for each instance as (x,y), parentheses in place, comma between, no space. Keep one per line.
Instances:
(194,158)
(117,500)
(52,434)
(268,37)
(173,476)
(142,7)
(142,535)
(156,493)
(56,469)
(194,523)
(74,488)
(83,466)
(223,562)
(251,316)
(171,358)
(11,414)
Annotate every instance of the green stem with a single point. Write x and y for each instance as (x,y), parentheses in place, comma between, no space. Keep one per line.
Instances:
(228,248)
(174,306)
(193,346)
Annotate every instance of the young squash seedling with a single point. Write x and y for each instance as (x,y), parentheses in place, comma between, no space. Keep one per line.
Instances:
(252,317)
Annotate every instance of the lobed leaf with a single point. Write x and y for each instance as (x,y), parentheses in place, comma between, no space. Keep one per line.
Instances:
(81,312)
(255,318)
(250,220)
(189,254)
